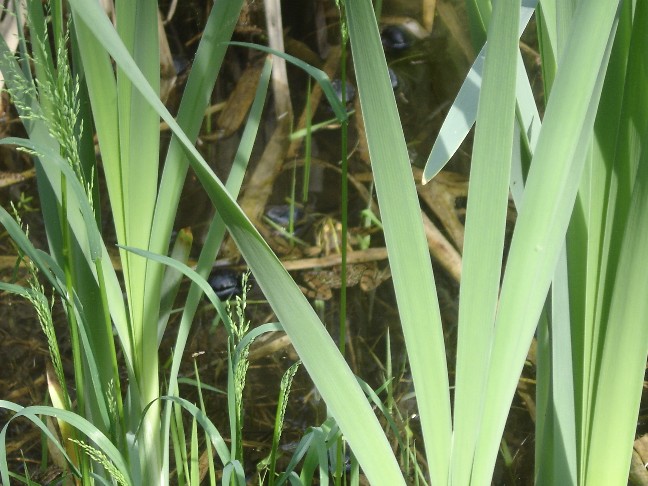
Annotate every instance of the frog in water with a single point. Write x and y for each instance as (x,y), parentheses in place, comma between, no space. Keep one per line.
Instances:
(320,282)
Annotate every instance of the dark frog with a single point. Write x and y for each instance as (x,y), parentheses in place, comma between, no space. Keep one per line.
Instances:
(349,90)
(349,95)
(395,39)
(279,215)
(226,284)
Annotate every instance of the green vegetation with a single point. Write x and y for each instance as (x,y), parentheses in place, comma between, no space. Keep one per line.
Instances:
(574,273)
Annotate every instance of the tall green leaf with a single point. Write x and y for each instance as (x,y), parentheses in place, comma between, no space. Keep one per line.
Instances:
(621,338)
(543,218)
(406,244)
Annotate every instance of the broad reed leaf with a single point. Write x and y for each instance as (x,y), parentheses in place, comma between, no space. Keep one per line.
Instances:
(479,12)
(560,449)
(621,343)
(484,238)
(100,80)
(406,245)
(593,221)
(543,218)
(463,112)
(139,159)
(623,359)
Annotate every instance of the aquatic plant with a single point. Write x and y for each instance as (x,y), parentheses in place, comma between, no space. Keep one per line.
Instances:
(572,271)
(577,178)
